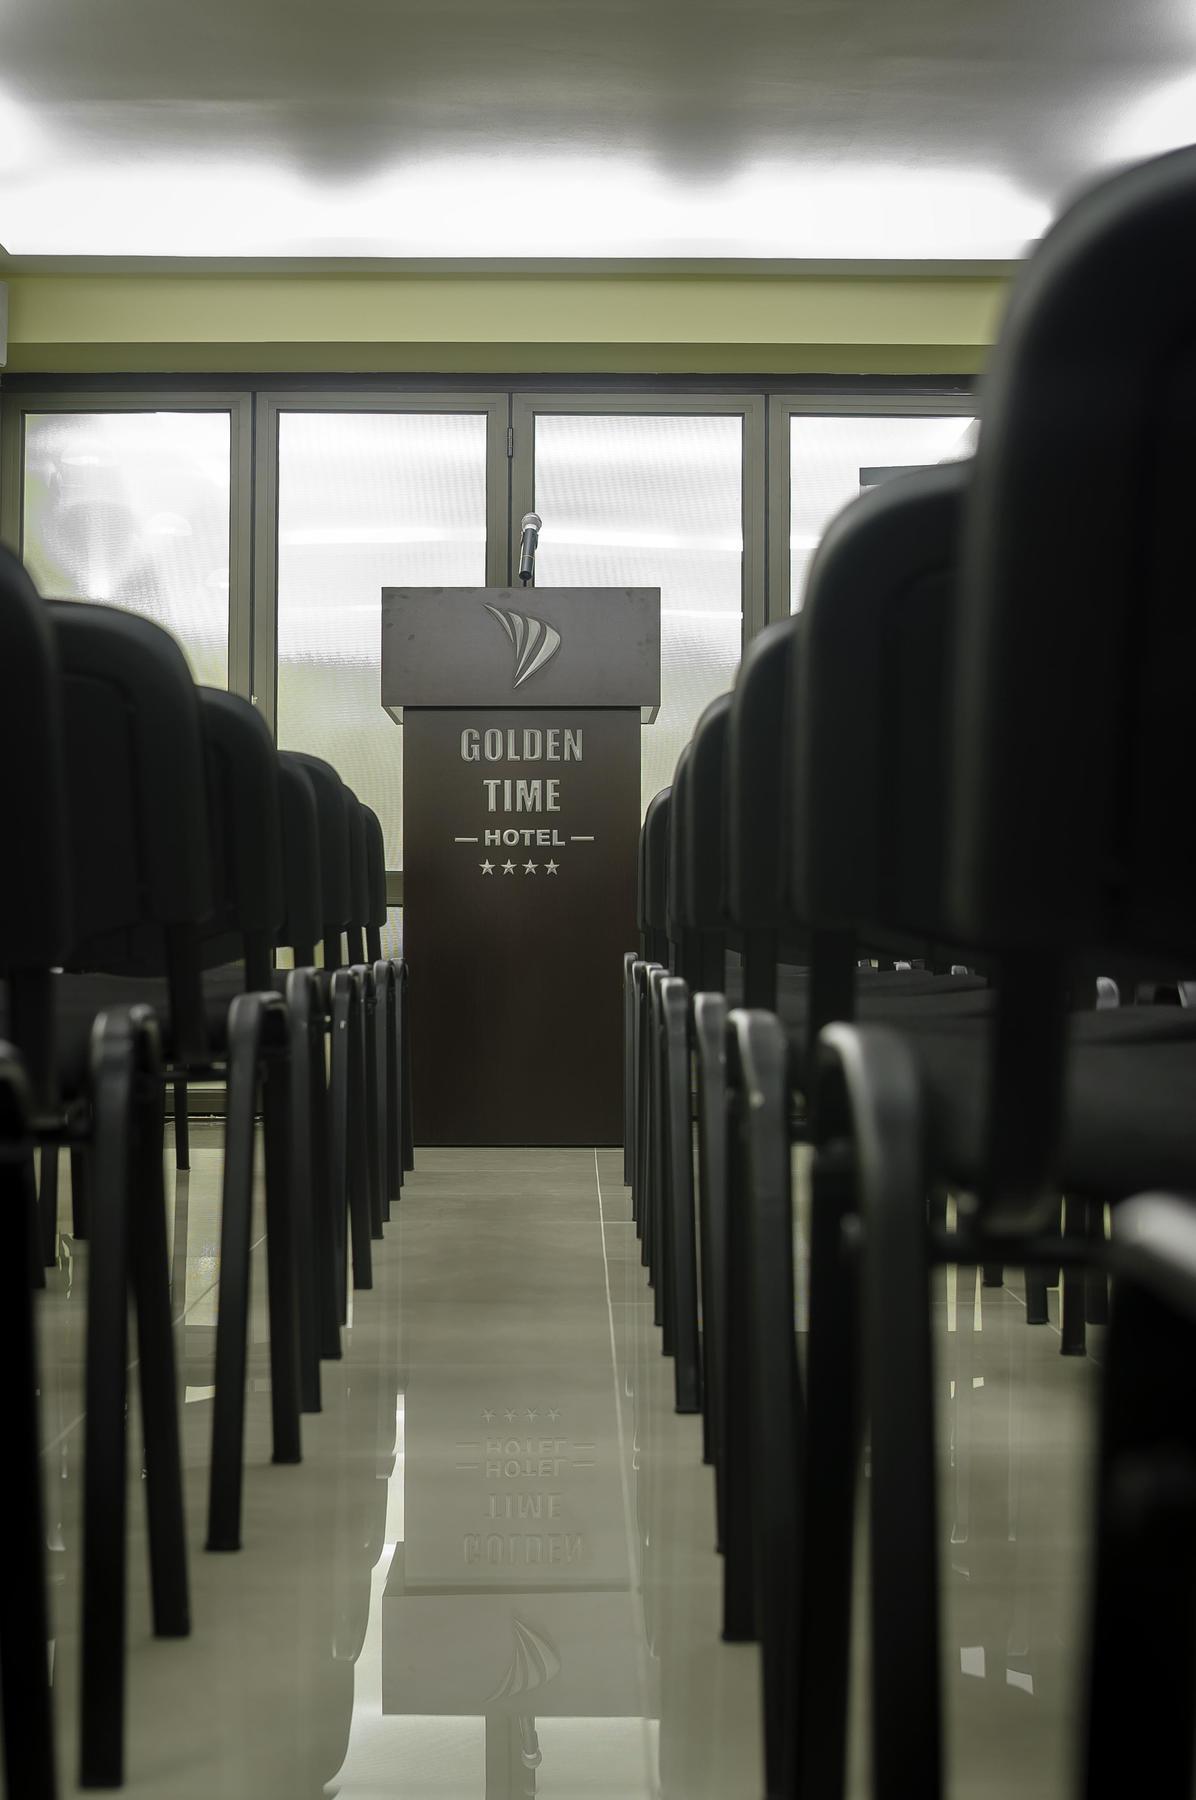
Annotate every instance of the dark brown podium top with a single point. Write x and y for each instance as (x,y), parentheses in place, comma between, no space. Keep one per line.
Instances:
(520,647)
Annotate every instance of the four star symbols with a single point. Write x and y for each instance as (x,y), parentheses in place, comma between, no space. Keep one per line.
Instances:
(508,868)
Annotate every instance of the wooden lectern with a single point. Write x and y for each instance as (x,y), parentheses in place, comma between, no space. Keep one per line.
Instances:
(521,710)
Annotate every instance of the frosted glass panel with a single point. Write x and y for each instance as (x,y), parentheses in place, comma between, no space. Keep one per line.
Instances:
(366,501)
(133,509)
(832,460)
(649,501)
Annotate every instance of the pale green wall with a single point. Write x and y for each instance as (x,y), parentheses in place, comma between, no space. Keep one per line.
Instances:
(679,324)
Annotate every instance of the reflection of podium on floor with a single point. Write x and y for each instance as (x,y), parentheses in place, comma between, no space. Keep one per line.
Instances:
(521,807)
(511,1594)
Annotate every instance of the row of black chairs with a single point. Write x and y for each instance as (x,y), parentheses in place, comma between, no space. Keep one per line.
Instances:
(902,875)
(160,854)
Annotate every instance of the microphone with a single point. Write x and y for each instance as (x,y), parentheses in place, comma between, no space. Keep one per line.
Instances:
(528,546)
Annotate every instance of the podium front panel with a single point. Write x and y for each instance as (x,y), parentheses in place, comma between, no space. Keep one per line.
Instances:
(520,835)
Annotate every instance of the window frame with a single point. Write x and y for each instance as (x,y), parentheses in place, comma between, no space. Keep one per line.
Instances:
(14,412)
(270,404)
(851,402)
(527,403)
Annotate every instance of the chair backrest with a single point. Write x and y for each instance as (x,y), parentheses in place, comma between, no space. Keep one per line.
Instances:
(303,921)
(757,785)
(246,840)
(703,896)
(334,853)
(656,876)
(674,924)
(375,845)
(1075,740)
(137,806)
(870,708)
(359,877)
(1075,734)
(35,887)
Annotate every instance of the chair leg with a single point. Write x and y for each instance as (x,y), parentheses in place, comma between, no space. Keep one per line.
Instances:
(182,1124)
(102,1677)
(1142,1661)
(80,1190)
(25,1698)
(1037,1311)
(394,1087)
(407,1073)
(47,1201)
(629,962)
(32,1229)
(760,1066)
(149,1268)
(639,1188)
(687,1350)
(359,1175)
(898,1364)
(827,1522)
(304,1166)
(739,1598)
(226,1474)
(373,1020)
(663,1263)
(993,1275)
(710,1014)
(1097,1295)
(385,1069)
(324,1200)
(281,1273)
(340,1089)
(1075,1282)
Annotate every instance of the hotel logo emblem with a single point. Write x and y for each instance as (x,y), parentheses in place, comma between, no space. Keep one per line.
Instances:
(534,642)
(534,1663)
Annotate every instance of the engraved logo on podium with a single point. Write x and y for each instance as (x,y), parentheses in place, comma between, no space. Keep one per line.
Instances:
(534,1663)
(534,642)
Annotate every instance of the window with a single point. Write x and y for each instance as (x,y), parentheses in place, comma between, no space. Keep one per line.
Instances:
(653,500)
(366,500)
(133,508)
(833,459)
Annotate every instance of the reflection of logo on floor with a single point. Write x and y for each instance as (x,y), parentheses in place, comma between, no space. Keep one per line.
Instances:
(533,1664)
(534,642)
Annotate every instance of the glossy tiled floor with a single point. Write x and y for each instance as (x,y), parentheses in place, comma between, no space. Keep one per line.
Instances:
(493,1574)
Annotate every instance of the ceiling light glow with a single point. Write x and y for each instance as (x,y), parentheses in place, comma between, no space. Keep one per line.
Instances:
(467,206)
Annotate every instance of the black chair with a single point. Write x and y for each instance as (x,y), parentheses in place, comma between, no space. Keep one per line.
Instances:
(126,791)
(1142,1650)
(245,1033)
(1055,857)
(648,1179)
(389,979)
(34,936)
(703,913)
(319,1326)
(28,1723)
(371,1017)
(342,997)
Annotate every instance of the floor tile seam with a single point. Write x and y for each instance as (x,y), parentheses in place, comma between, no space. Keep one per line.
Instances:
(135,1362)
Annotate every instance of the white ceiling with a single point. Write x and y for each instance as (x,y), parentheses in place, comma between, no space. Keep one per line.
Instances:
(787,129)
